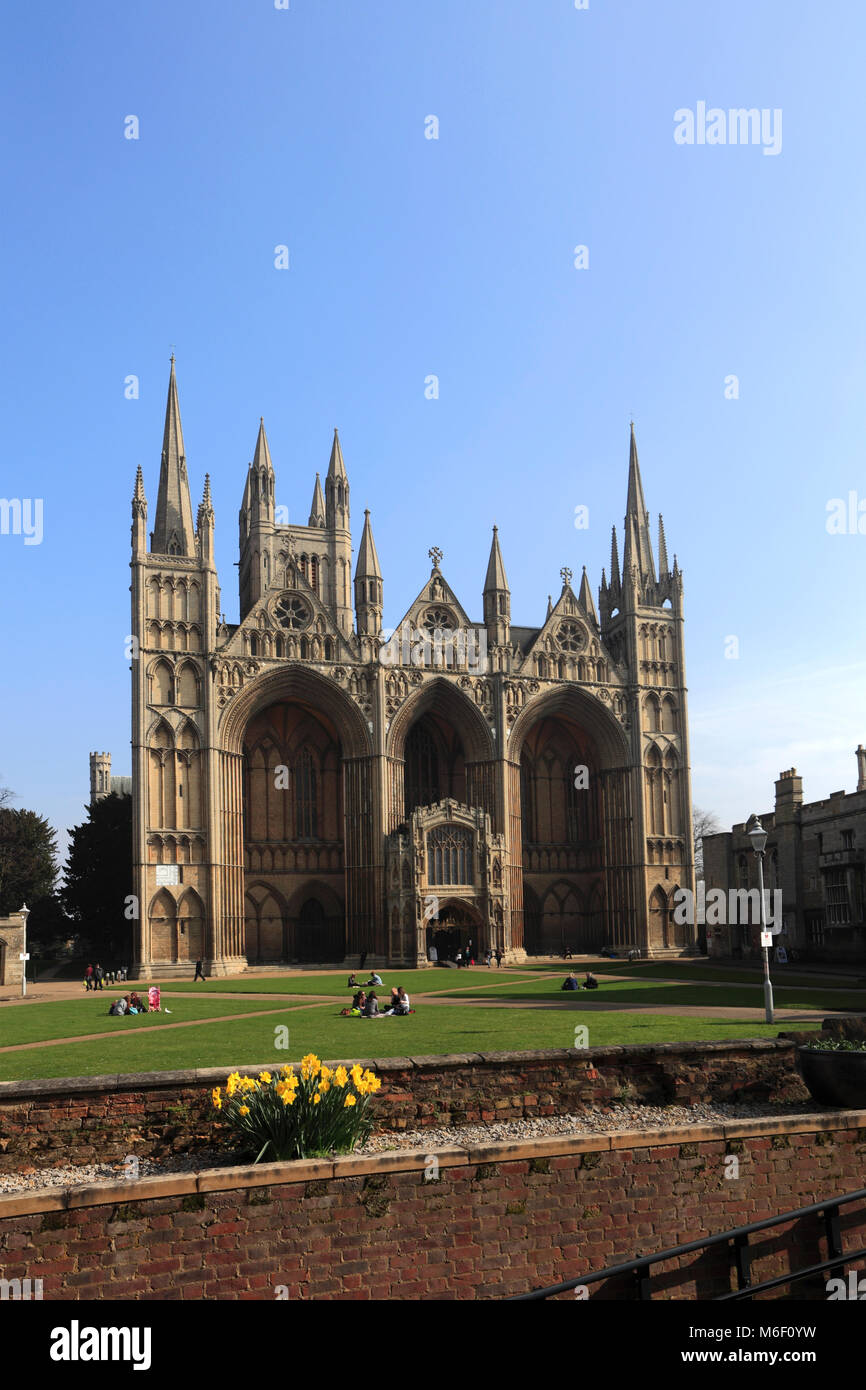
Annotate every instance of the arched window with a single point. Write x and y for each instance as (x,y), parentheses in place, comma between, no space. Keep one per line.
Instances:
(306,815)
(449,855)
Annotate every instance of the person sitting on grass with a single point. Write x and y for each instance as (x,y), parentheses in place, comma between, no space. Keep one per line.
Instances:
(352,982)
(590,982)
(400,1005)
(371,1008)
(375,979)
(136,1004)
(570,982)
(359,1001)
(119,1008)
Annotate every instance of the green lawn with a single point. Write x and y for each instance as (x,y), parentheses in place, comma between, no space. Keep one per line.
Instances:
(414,981)
(636,990)
(26,1023)
(435,1029)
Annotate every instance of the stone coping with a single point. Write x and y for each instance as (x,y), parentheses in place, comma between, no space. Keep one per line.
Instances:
(210,1076)
(413,1160)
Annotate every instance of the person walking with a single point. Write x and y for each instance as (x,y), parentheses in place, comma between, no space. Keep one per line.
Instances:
(99,975)
(199,973)
(498,959)
(88,978)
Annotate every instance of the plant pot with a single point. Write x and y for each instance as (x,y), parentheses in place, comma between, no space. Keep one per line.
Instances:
(835,1078)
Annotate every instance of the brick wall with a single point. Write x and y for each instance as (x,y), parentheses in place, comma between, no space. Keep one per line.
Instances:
(500,1219)
(104,1118)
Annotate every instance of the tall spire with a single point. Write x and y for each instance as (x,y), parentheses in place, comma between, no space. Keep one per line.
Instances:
(173,529)
(336,466)
(262,456)
(614,560)
(638,547)
(663,550)
(317,510)
(497,597)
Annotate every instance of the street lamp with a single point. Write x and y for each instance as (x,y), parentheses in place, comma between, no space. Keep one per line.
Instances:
(758,836)
(24,913)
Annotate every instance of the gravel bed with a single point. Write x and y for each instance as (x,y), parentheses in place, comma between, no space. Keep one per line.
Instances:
(593,1120)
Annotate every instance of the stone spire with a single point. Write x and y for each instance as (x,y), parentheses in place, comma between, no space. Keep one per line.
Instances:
(139,516)
(173,529)
(638,547)
(317,510)
(585,599)
(368,585)
(337,488)
(663,550)
(614,560)
(497,597)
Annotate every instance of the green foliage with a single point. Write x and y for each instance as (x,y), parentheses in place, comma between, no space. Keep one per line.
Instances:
(28,859)
(837,1045)
(97,878)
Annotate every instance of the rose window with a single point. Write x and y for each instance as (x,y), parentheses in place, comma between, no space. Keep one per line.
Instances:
(292,612)
(441,619)
(571,637)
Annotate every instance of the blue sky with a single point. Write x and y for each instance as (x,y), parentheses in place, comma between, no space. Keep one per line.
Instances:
(455,257)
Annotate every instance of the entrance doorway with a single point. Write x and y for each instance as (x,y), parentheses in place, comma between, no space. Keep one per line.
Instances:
(457,929)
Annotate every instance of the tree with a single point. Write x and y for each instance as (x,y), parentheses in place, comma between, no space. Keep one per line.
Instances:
(703,823)
(28,858)
(97,878)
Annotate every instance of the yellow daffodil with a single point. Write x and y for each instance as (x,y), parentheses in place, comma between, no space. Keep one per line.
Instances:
(265,1078)
(288,1097)
(341,1076)
(324,1087)
(349,1101)
(316,1098)
(216,1097)
(288,1069)
(243,1110)
(232,1083)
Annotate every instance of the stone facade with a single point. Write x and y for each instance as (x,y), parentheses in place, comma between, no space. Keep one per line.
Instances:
(12,939)
(815,854)
(307,788)
(101,781)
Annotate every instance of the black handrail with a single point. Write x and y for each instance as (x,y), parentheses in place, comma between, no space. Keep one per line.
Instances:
(738,1239)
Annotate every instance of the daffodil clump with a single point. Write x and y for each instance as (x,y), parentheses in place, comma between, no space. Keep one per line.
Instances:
(305,1114)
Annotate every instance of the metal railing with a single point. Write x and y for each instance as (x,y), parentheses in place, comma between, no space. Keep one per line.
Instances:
(740,1254)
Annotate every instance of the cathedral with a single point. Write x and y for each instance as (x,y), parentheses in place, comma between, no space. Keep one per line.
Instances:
(311,788)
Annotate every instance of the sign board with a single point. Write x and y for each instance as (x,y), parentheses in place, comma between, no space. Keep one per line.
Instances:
(766,938)
(167,874)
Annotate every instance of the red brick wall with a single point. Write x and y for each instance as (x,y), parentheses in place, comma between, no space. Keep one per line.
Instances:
(102,1119)
(500,1220)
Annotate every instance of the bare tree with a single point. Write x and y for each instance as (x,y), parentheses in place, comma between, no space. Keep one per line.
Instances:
(6,795)
(703,823)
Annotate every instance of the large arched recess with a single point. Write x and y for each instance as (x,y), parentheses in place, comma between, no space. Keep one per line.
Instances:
(298,684)
(445,701)
(589,845)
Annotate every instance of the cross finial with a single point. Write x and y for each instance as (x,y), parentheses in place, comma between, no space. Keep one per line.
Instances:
(565,575)
(435,555)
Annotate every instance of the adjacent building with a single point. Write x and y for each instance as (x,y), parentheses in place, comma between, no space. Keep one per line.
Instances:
(815,855)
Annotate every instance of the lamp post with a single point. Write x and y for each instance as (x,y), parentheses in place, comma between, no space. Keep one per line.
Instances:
(758,836)
(24,913)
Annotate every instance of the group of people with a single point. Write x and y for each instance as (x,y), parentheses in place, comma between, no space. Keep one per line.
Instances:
(98,978)
(366,1005)
(134,1004)
(572,982)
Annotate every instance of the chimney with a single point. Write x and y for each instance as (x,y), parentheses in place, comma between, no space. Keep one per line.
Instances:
(861,768)
(789,795)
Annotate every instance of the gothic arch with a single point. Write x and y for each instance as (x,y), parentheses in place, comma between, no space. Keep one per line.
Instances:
(453,705)
(296,683)
(586,710)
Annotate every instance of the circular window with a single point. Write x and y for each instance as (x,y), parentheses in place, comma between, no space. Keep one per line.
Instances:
(571,637)
(439,618)
(292,612)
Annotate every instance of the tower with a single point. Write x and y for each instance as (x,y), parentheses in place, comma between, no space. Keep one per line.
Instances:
(368,585)
(497,598)
(100,776)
